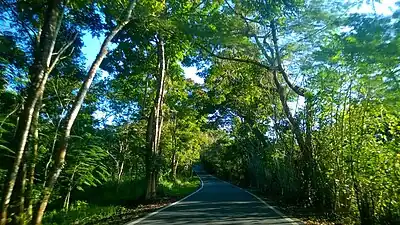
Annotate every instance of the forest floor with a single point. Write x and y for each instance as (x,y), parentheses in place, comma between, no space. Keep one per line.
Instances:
(103,211)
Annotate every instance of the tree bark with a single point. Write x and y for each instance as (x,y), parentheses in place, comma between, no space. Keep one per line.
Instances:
(18,196)
(38,75)
(53,146)
(32,157)
(173,163)
(306,152)
(305,143)
(155,125)
(72,114)
(70,187)
(149,155)
(174,169)
(121,170)
(298,90)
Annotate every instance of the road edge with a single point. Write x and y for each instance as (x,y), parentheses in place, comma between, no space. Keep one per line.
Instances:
(166,207)
(293,221)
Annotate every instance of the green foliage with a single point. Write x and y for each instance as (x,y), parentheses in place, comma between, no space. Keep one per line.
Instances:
(237,122)
(178,187)
(348,77)
(113,199)
(83,213)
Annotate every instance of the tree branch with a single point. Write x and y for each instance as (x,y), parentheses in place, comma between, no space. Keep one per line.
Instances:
(263,51)
(8,115)
(298,90)
(238,59)
(61,52)
(243,17)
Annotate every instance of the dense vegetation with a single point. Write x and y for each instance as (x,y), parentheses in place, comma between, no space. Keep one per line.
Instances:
(300,100)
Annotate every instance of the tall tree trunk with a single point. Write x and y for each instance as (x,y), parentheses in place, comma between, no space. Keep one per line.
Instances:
(303,142)
(160,126)
(53,146)
(175,168)
(173,163)
(70,187)
(121,170)
(32,157)
(38,75)
(307,158)
(18,196)
(155,125)
(149,155)
(174,153)
(72,114)
(308,154)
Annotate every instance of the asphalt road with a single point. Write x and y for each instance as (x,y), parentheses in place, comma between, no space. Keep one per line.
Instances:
(217,202)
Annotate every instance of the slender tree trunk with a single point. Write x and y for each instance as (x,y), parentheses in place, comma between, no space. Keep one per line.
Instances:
(18,196)
(308,154)
(8,115)
(53,146)
(72,114)
(124,146)
(303,142)
(174,155)
(67,200)
(174,169)
(121,169)
(38,75)
(32,159)
(155,125)
(143,111)
(149,155)
(173,163)
(70,187)
(159,152)
(308,139)
(295,125)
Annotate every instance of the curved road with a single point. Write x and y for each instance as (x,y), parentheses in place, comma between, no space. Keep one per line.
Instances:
(217,202)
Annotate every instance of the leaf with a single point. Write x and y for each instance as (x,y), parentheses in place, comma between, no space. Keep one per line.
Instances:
(77,137)
(80,188)
(7,149)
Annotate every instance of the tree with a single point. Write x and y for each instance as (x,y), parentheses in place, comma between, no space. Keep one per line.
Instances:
(71,116)
(38,72)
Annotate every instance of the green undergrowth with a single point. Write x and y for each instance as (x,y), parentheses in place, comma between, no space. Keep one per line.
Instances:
(114,199)
(179,187)
(83,213)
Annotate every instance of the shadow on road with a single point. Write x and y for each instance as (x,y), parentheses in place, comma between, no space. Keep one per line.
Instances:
(217,203)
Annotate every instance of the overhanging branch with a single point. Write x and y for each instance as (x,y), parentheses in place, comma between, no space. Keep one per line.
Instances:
(254,62)
(61,52)
(298,90)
